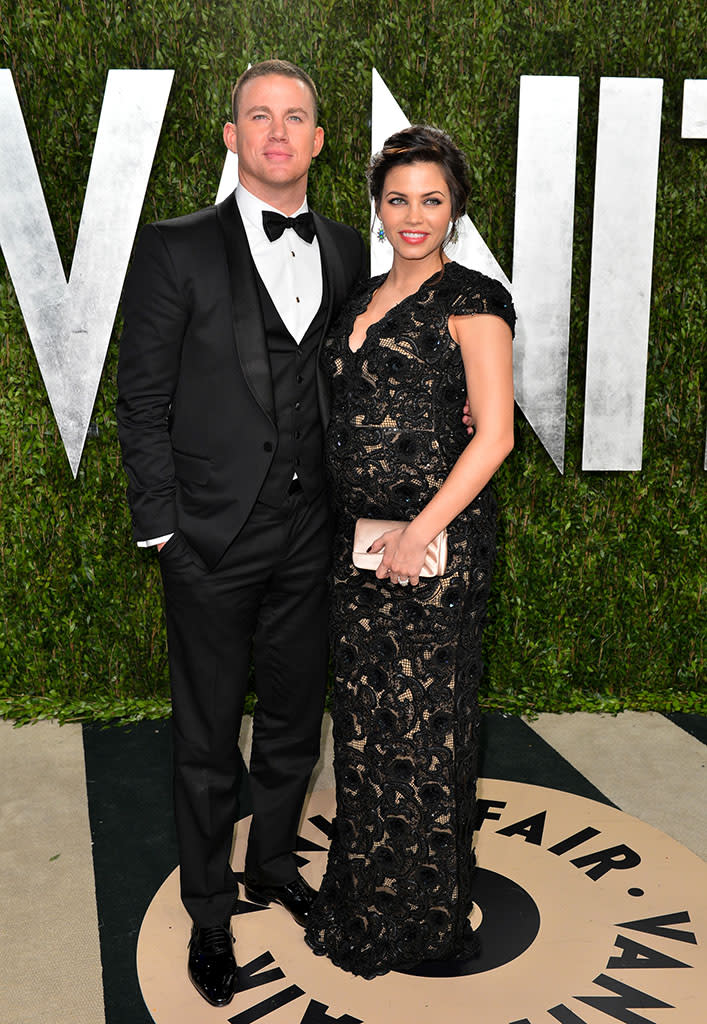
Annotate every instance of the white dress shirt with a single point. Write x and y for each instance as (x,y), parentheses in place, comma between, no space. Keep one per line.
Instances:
(290,269)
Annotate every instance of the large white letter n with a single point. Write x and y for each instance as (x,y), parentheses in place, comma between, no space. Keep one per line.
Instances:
(69,324)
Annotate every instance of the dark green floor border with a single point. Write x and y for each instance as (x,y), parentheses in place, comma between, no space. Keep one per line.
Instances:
(696,725)
(134,847)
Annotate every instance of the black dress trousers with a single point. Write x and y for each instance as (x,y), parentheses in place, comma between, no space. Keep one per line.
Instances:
(268,594)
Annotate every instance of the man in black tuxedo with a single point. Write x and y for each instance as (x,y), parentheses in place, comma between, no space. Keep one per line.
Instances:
(221,413)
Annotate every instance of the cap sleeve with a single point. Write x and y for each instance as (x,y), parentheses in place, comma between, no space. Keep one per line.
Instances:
(471,292)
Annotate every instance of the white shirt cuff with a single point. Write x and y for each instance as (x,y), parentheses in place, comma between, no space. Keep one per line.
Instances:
(154,541)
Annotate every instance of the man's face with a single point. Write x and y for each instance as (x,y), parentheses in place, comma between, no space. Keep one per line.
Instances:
(275,136)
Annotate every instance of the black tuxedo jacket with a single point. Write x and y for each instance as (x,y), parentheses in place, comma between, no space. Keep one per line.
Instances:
(195,406)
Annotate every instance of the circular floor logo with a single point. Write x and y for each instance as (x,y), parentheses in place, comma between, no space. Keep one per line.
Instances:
(584,915)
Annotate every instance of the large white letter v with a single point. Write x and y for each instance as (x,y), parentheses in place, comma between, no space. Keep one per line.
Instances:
(69,324)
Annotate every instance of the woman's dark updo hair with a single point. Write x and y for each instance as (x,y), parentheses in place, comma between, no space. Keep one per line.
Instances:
(421,143)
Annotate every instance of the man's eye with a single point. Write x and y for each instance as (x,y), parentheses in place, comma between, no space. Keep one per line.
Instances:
(295,117)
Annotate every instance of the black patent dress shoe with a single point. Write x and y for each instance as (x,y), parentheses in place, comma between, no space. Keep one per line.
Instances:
(212,965)
(297,896)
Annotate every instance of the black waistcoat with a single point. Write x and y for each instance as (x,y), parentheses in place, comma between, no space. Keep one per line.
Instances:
(299,426)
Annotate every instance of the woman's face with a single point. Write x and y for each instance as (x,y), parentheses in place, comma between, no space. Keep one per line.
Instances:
(415,209)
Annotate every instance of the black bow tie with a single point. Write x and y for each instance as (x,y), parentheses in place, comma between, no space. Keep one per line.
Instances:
(274,224)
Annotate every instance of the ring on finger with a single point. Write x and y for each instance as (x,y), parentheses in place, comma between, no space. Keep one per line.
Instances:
(403,580)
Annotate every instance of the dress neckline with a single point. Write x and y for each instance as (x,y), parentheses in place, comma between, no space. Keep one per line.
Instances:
(373,285)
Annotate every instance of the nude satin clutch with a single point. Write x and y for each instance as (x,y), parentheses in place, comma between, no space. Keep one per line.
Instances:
(368,530)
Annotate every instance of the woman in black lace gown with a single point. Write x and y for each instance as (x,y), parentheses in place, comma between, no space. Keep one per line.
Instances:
(406,351)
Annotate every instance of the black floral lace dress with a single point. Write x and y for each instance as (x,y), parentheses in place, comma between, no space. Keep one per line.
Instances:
(397,888)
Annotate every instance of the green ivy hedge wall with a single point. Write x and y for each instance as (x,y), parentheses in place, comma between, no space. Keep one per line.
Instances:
(598,599)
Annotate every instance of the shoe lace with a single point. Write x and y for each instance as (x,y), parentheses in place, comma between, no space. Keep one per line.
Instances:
(215,940)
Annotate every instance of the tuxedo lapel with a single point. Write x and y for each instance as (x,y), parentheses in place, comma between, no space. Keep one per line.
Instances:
(332,265)
(335,274)
(248,330)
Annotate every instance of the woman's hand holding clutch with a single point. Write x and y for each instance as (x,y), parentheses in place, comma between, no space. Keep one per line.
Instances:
(403,556)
